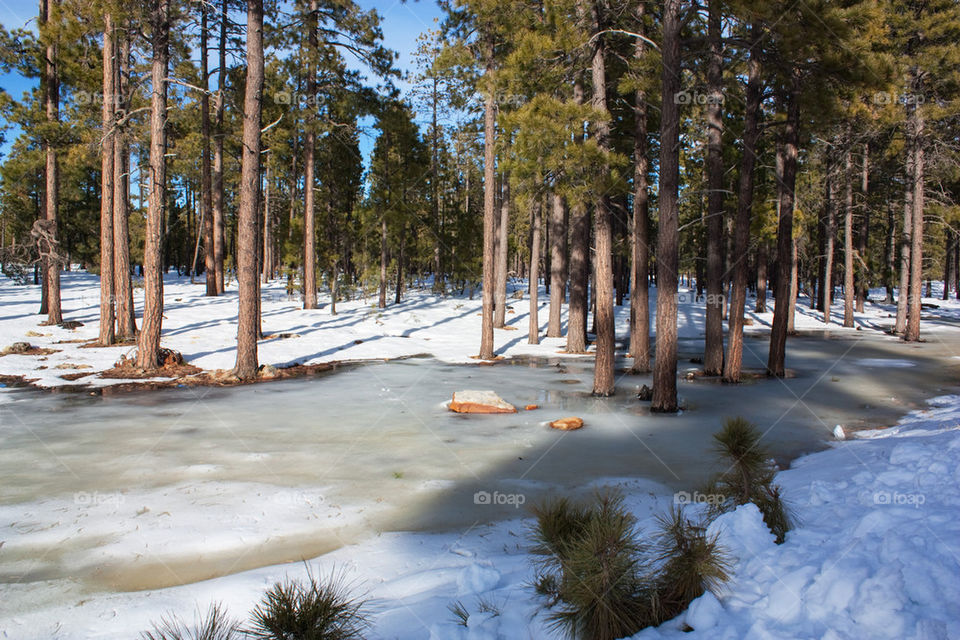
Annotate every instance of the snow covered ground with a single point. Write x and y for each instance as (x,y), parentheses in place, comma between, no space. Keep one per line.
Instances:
(876,555)
(448,328)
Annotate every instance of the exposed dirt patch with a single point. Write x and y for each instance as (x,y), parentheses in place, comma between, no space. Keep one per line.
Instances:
(94,344)
(76,376)
(32,351)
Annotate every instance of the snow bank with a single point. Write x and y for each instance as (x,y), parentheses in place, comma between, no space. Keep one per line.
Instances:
(448,328)
(876,554)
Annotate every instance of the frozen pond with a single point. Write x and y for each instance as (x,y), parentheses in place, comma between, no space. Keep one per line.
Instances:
(153,489)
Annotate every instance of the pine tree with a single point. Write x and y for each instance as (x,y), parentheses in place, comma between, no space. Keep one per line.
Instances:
(149,340)
(51,191)
(665,366)
(106,187)
(247,272)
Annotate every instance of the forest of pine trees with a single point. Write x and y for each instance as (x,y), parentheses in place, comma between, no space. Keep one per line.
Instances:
(602,146)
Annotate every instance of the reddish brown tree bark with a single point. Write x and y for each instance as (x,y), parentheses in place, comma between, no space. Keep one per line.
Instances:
(786,286)
(665,365)
(533,333)
(52,190)
(149,342)
(106,187)
(713,340)
(848,260)
(219,223)
(741,235)
(248,214)
(912,332)
(123,287)
(489,209)
(206,181)
(309,143)
(603,372)
(558,264)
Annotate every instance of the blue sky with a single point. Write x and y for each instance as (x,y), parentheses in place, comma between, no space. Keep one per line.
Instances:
(401,21)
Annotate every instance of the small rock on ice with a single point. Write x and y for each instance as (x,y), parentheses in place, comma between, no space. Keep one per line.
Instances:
(480,402)
(838,433)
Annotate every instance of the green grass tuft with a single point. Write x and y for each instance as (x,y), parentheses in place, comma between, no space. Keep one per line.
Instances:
(214,625)
(311,610)
(691,564)
(460,613)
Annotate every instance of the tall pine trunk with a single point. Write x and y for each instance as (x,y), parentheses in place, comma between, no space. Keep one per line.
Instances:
(741,235)
(787,278)
(219,215)
(52,192)
(248,214)
(863,235)
(579,261)
(382,298)
(848,260)
(398,289)
(206,197)
(309,144)
(665,365)
(948,265)
(533,333)
(557,227)
(603,373)
(489,209)
(762,277)
(267,262)
(890,253)
(149,343)
(123,287)
(106,186)
(713,347)
(906,242)
(40,269)
(912,333)
(438,279)
(829,244)
(503,235)
(640,235)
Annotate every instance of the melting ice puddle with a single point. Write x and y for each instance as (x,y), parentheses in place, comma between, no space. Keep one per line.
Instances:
(150,489)
(885,362)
